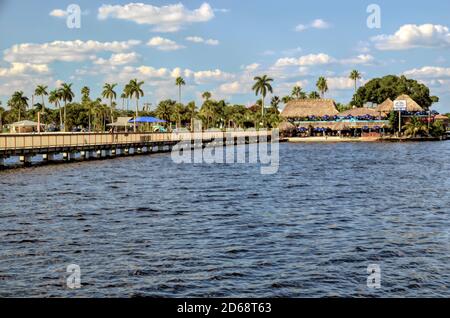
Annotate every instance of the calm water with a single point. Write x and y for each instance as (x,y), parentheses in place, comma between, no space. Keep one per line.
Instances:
(144,226)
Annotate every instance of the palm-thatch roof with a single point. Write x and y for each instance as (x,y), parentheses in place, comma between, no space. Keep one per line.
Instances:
(411,105)
(358,112)
(388,105)
(286,126)
(302,108)
(336,126)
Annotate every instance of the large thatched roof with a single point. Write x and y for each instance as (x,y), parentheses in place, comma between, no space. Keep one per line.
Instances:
(286,126)
(388,105)
(302,108)
(358,112)
(411,105)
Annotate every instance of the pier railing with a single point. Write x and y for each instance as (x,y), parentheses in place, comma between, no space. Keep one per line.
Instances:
(59,140)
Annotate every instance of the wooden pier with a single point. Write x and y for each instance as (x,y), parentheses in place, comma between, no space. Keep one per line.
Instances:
(107,145)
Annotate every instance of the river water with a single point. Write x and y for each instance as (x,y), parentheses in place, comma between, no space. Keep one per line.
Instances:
(145,226)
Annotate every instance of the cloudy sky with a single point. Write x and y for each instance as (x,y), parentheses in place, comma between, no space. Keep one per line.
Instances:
(221,45)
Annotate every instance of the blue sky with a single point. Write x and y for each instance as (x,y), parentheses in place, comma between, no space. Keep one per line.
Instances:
(220,46)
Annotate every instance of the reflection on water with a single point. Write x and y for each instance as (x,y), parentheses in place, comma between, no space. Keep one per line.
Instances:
(143,226)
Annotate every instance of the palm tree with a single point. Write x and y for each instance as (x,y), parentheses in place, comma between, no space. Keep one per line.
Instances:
(191,111)
(322,86)
(67,95)
(179,82)
(414,127)
(297,92)
(275,102)
(126,93)
(355,76)
(286,99)
(314,95)
(108,92)
(261,87)
(41,90)
(206,96)
(54,98)
(2,111)
(18,103)
(86,101)
(164,111)
(123,96)
(134,89)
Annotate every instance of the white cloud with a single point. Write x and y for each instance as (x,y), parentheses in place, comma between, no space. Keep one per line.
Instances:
(340,83)
(414,36)
(316,24)
(306,60)
(163,44)
(58,13)
(364,59)
(251,67)
(118,59)
(23,69)
(66,51)
(204,77)
(428,72)
(169,18)
(198,39)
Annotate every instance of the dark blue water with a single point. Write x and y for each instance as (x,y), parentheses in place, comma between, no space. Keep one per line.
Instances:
(144,226)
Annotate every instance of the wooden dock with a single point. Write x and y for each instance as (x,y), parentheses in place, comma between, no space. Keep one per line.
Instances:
(108,145)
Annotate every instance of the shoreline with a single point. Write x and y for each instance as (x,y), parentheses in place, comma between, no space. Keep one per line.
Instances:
(360,139)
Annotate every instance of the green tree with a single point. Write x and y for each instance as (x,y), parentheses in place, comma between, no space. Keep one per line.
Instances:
(262,87)
(18,104)
(415,127)
(55,98)
(206,96)
(135,90)
(298,93)
(110,93)
(66,95)
(41,90)
(314,95)
(191,112)
(164,110)
(355,76)
(286,99)
(379,89)
(275,101)
(179,82)
(322,86)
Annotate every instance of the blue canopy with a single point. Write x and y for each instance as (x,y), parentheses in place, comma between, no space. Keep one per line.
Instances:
(146,120)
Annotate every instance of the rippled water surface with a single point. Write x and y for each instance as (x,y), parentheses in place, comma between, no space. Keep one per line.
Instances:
(144,226)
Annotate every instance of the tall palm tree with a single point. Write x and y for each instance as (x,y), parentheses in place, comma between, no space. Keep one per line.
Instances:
(19,103)
(123,96)
(261,87)
(126,93)
(206,96)
(322,86)
(355,76)
(134,89)
(108,92)
(67,95)
(179,82)
(191,111)
(54,98)
(314,95)
(41,90)
(297,92)
(86,101)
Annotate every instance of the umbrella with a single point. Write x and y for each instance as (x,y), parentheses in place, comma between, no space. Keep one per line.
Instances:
(147,120)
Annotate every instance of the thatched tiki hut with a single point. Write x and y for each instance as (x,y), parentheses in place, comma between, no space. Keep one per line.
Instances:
(287,129)
(300,109)
(388,105)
